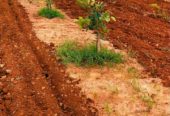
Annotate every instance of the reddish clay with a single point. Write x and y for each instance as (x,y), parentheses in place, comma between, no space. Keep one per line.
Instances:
(32,81)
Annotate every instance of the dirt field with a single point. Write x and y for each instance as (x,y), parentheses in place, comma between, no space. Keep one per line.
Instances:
(32,82)
(147,37)
(112,89)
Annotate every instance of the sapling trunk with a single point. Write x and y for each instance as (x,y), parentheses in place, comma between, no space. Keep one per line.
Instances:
(98,42)
(49,4)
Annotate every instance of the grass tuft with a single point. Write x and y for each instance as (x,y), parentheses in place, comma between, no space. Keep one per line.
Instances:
(148,100)
(87,56)
(50,13)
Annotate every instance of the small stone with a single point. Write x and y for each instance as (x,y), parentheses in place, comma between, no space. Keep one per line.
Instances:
(74,76)
(8,71)
(2,65)
(56,114)
(62,71)
(18,78)
(12,79)
(33,83)
(60,104)
(3,77)
(43,88)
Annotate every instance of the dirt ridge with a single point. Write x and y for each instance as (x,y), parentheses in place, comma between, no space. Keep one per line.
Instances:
(37,84)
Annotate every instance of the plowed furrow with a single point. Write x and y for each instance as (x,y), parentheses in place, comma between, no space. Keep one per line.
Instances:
(37,84)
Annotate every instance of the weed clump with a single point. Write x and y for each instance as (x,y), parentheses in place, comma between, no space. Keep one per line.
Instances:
(87,56)
(50,13)
(159,12)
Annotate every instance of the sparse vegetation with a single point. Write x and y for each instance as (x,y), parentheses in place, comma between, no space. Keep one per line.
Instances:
(87,56)
(96,19)
(136,85)
(108,109)
(133,72)
(148,100)
(33,81)
(48,12)
(132,53)
(159,12)
(113,89)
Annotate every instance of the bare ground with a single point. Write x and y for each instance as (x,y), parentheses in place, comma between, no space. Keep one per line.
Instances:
(32,81)
(112,89)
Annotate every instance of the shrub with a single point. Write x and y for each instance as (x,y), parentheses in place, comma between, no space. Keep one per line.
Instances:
(87,56)
(50,13)
(96,20)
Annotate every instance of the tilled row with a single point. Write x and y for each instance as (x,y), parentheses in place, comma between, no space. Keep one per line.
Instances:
(37,83)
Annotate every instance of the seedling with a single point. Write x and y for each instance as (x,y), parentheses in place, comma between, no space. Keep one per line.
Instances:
(96,20)
(133,72)
(148,100)
(48,12)
(83,22)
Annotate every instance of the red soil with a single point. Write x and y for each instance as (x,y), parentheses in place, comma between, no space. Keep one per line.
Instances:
(135,29)
(35,83)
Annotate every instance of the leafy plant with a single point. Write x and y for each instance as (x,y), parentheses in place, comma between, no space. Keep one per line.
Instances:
(83,22)
(50,13)
(96,19)
(87,56)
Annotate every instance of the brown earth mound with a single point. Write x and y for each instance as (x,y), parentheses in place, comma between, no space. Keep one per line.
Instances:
(32,82)
(136,30)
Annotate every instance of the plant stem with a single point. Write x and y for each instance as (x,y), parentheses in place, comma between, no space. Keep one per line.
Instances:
(49,3)
(98,42)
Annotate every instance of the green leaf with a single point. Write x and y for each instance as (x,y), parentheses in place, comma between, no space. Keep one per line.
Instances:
(105,17)
(83,22)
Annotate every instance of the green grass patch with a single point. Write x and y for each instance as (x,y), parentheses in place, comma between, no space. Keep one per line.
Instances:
(87,56)
(50,13)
